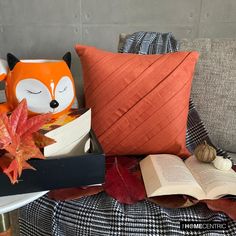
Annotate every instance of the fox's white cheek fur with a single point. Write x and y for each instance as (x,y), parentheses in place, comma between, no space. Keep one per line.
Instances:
(64,93)
(36,93)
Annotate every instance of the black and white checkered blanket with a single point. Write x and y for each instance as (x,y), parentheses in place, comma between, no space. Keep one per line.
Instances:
(103,215)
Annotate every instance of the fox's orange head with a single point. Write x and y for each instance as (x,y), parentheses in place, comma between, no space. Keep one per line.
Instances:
(47,85)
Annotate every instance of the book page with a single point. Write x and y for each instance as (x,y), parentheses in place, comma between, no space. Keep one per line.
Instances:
(172,170)
(166,174)
(77,148)
(214,182)
(69,135)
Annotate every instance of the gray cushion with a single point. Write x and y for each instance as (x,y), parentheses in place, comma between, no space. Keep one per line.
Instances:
(214,88)
(233,156)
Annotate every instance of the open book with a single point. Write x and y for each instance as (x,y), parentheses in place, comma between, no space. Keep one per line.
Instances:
(166,174)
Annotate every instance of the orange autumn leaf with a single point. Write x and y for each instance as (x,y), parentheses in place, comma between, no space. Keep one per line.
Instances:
(19,138)
(12,170)
(18,117)
(24,151)
(42,140)
(5,137)
(33,124)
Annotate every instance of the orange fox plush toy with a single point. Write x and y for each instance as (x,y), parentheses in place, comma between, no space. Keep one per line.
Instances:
(47,85)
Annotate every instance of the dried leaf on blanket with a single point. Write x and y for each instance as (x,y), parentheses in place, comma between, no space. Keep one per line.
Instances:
(122,184)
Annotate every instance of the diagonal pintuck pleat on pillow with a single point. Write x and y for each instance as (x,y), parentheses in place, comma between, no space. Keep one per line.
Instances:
(139,102)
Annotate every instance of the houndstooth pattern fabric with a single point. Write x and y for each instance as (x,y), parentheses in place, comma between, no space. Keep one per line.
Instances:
(196,132)
(149,43)
(103,215)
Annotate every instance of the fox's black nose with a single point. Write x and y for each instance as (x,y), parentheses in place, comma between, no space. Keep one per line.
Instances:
(54,104)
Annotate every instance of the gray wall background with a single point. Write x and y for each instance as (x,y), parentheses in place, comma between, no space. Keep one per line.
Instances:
(49,28)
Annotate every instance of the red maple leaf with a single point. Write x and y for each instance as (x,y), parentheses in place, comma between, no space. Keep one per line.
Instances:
(19,138)
(74,193)
(227,206)
(122,183)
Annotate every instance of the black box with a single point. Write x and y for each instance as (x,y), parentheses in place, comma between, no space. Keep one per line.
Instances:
(74,171)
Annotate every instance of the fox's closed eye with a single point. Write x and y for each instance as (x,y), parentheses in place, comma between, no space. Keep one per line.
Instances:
(36,93)
(32,92)
(63,90)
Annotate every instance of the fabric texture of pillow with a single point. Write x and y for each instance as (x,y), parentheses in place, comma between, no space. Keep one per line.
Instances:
(139,102)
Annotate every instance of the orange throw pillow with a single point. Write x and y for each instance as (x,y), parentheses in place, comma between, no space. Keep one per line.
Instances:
(139,102)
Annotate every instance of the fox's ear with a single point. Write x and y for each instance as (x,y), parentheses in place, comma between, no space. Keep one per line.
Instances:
(12,60)
(3,69)
(67,58)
